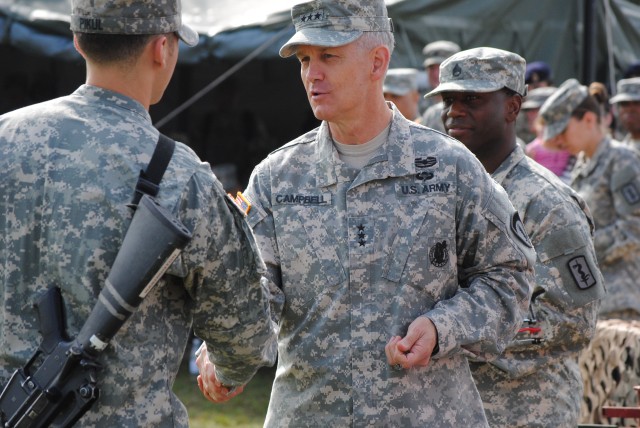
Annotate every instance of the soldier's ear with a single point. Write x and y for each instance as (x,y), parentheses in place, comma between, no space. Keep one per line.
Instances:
(513,105)
(380,62)
(77,46)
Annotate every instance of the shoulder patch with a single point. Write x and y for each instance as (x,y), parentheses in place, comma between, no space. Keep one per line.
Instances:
(518,229)
(241,202)
(631,193)
(581,272)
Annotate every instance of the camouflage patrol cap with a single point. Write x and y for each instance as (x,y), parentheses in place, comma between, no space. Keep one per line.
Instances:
(334,23)
(557,110)
(133,17)
(436,52)
(537,96)
(627,90)
(482,70)
(400,81)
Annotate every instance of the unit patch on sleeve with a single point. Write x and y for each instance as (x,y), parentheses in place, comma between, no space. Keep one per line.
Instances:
(518,228)
(630,193)
(581,272)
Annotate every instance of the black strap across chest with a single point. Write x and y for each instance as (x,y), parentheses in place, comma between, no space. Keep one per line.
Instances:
(149,179)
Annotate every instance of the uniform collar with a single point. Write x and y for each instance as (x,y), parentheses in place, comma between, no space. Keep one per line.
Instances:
(394,159)
(115,99)
(514,158)
(584,166)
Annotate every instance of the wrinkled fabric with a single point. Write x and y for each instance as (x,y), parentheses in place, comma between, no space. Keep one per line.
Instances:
(335,22)
(482,70)
(141,17)
(354,256)
(539,384)
(609,182)
(68,168)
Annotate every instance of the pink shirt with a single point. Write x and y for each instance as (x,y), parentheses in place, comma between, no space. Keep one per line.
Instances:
(554,160)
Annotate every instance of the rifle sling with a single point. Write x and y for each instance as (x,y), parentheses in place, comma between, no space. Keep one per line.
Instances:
(149,180)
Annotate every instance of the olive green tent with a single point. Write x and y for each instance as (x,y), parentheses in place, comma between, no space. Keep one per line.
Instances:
(233,99)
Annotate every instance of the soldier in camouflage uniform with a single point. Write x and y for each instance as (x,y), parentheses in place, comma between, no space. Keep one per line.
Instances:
(393,261)
(68,169)
(536,382)
(435,53)
(607,176)
(627,102)
(401,88)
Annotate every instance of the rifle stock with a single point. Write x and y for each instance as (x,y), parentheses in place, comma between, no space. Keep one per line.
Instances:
(59,383)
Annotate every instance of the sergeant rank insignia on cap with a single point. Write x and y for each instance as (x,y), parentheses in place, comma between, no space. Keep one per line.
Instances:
(241,202)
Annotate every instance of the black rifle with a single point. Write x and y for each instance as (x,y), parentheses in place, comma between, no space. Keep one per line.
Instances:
(59,383)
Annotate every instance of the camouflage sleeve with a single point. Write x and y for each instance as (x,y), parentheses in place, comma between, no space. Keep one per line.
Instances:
(224,275)
(495,270)
(621,238)
(568,284)
(261,220)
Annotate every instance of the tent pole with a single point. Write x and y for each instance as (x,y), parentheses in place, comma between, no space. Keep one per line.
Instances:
(608,19)
(224,76)
(588,57)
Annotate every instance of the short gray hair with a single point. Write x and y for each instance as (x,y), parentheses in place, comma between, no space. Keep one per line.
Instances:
(370,39)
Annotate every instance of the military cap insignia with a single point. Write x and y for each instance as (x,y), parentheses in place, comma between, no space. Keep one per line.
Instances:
(457,71)
(317,15)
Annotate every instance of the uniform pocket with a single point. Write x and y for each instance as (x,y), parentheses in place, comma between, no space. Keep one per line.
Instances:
(309,261)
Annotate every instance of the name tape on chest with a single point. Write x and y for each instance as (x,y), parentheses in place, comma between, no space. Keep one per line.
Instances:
(302,198)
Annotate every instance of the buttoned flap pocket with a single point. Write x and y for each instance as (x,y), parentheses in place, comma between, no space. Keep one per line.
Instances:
(424,248)
(569,270)
(309,261)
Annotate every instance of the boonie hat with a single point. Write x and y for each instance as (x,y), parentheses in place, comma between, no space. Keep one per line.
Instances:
(133,17)
(436,52)
(557,110)
(334,23)
(482,70)
(537,71)
(627,90)
(400,81)
(537,96)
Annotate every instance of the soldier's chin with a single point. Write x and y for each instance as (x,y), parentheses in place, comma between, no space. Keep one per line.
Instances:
(460,134)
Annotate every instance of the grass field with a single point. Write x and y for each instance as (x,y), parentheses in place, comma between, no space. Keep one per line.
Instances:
(247,410)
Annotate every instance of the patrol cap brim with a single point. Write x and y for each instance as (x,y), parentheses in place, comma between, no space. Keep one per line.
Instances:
(318,37)
(188,35)
(433,60)
(620,98)
(395,91)
(465,86)
(554,129)
(531,104)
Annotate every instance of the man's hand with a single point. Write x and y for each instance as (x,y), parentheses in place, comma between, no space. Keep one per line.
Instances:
(211,388)
(415,348)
